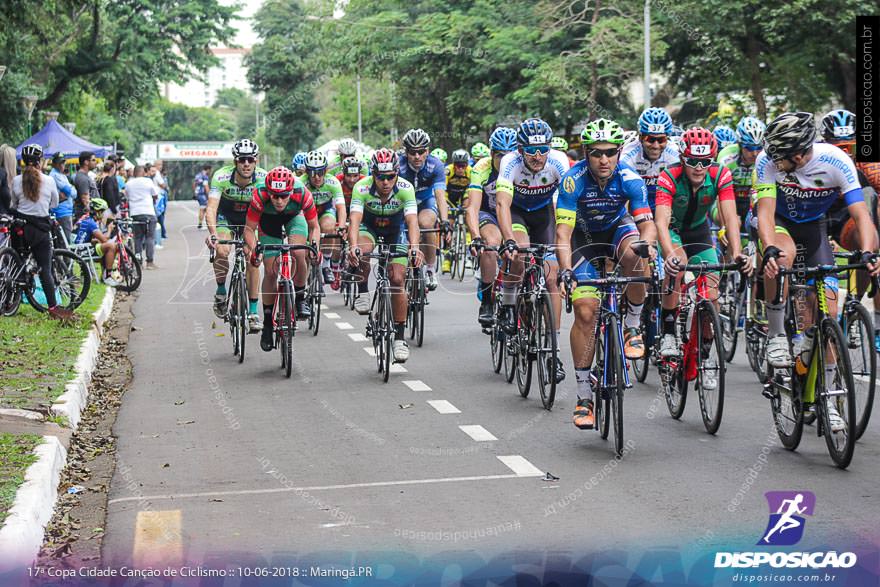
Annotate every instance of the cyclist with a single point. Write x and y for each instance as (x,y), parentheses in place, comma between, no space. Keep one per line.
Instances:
(298,164)
(458,178)
(352,172)
(652,152)
(346,148)
(281,206)
(330,204)
(88,230)
(809,177)
(427,175)
(740,160)
(593,225)
(384,205)
(685,194)
(527,180)
(440,154)
(675,137)
(725,136)
(479,151)
(232,188)
(481,218)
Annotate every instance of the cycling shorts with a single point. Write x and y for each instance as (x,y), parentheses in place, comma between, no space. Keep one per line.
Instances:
(539,224)
(811,243)
(296,226)
(327,209)
(390,235)
(429,203)
(487,218)
(591,250)
(697,243)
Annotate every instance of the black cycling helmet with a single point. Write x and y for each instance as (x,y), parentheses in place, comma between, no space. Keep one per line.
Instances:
(789,134)
(416,138)
(32,153)
(460,156)
(245,148)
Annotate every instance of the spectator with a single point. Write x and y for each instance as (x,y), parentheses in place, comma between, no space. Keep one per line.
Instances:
(162,202)
(66,194)
(142,194)
(33,195)
(110,189)
(86,188)
(89,231)
(8,171)
(202,185)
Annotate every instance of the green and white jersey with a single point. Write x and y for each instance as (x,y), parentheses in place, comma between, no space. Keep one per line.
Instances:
(329,194)
(400,203)
(729,157)
(234,199)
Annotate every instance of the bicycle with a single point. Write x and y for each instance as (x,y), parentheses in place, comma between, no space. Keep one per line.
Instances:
(417,298)
(315,293)
(611,363)
(649,326)
(734,293)
(857,326)
(237,300)
(793,390)
(284,311)
(458,251)
(19,270)
(535,338)
(698,330)
(380,320)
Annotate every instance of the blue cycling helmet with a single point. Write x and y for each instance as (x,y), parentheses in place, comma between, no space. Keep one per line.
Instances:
(655,121)
(724,135)
(676,131)
(503,139)
(533,131)
(299,161)
(839,125)
(750,132)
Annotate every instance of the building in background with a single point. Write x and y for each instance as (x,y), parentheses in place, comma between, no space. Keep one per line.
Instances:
(231,73)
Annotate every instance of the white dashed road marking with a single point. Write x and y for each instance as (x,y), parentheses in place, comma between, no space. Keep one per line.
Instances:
(332,315)
(443,406)
(477,432)
(417,385)
(357,337)
(521,466)
(344,326)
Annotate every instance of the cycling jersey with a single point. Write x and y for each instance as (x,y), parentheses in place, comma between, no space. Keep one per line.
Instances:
(263,212)
(484,177)
(346,191)
(690,210)
(388,215)
(634,155)
(328,196)
(85,230)
(431,176)
(806,194)
(531,190)
(591,208)
(729,157)
(871,171)
(234,200)
(457,185)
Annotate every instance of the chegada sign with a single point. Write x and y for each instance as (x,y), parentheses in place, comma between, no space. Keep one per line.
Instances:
(194,151)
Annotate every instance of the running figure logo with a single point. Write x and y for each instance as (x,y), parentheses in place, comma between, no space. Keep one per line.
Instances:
(787,508)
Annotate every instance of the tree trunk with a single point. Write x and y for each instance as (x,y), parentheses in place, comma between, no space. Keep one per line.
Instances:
(846,89)
(594,66)
(753,52)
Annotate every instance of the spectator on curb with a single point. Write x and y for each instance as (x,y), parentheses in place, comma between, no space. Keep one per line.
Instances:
(33,195)
(66,194)
(201,186)
(162,202)
(88,230)
(86,188)
(142,195)
(8,170)
(110,189)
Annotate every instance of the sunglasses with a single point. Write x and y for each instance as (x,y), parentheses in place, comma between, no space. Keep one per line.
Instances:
(652,140)
(752,148)
(245,160)
(598,153)
(697,163)
(536,149)
(316,171)
(386,176)
(416,151)
(279,196)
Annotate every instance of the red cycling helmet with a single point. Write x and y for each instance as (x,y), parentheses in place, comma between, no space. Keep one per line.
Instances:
(280,181)
(384,161)
(699,143)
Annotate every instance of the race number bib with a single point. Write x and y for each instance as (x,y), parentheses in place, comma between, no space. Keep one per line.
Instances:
(701,150)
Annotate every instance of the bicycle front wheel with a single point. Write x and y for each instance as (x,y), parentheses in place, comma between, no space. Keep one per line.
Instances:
(130,270)
(315,295)
(649,332)
(710,366)
(387,327)
(10,292)
(859,332)
(616,391)
(729,305)
(838,395)
(525,336)
(286,324)
(461,251)
(601,403)
(72,281)
(547,352)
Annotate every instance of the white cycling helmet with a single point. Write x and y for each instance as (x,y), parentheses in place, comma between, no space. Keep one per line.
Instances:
(316,161)
(346,147)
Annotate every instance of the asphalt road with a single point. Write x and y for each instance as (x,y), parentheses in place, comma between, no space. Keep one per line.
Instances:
(218,458)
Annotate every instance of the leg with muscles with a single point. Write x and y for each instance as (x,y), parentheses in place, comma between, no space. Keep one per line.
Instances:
(778,354)
(252,280)
(270,276)
(633,266)
(488,270)
(221,270)
(673,266)
(362,301)
(329,246)
(511,280)
(397,275)
(583,340)
(428,221)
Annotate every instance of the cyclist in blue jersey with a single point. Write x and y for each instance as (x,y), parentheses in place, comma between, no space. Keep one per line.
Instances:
(427,174)
(602,209)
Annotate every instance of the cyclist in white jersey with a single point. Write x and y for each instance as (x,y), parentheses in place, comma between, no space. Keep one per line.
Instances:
(653,151)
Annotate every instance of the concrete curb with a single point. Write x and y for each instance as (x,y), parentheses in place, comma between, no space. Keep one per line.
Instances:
(22,534)
(76,395)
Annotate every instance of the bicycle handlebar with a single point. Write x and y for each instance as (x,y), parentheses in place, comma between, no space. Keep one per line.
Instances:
(285,247)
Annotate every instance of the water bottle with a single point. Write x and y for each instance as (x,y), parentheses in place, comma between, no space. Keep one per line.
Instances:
(807,346)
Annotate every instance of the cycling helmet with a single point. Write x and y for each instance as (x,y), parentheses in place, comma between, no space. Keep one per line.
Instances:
(676,131)
(439,154)
(346,147)
(630,136)
(316,161)
(385,161)
(676,143)
(655,121)
(479,150)
(724,135)
(839,125)
(602,131)
(533,131)
(97,205)
(750,132)
(416,138)
(299,161)
(503,139)
(789,134)
(245,148)
(699,143)
(351,165)
(460,156)
(280,181)
(559,143)
(32,153)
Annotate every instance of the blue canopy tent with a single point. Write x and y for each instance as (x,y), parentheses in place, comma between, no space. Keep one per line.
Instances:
(56,139)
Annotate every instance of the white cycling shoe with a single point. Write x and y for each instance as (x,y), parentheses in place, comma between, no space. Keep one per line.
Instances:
(362,304)
(255,323)
(669,346)
(400,351)
(778,354)
(834,418)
